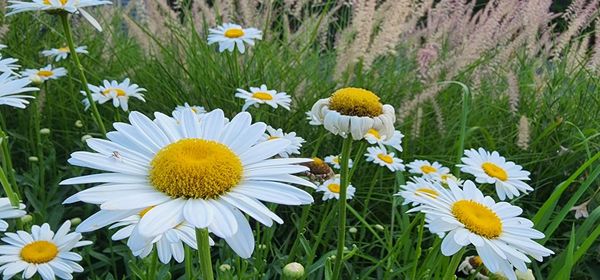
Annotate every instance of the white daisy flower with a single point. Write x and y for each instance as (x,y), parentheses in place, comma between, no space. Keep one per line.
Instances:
(491,168)
(230,35)
(295,141)
(334,160)
(381,157)
(426,168)
(331,189)
(262,95)
(374,137)
(417,187)
(8,65)
(7,211)
(11,90)
(446,178)
(353,111)
(2,46)
(119,93)
(42,252)
(502,238)
(207,174)
(45,74)
(62,53)
(70,6)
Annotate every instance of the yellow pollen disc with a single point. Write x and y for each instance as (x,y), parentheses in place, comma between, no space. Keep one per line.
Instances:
(334,188)
(262,95)
(476,261)
(234,33)
(145,211)
(195,168)
(356,102)
(62,2)
(428,169)
(64,49)
(374,132)
(39,252)
(495,171)
(427,191)
(477,218)
(273,138)
(45,73)
(119,91)
(386,158)
(336,160)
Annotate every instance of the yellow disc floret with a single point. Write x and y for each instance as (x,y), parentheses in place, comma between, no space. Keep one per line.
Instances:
(334,188)
(195,168)
(45,73)
(477,218)
(374,133)
(427,191)
(386,158)
(39,252)
(262,96)
(118,91)
(494,170)
(428,169)
(234,33)
(356,102)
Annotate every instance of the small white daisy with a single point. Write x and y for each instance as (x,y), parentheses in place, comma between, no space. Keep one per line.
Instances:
(335,161)
(262,95)
(8,65)
(331,189)
(417,187)
(119,93)
(491,168)
(381,157)
(502,238)
(62,53)
(11,89)
(45,74)
(70,6)
(42,252)
(231,35)
(295,141)
(374,137)
(446,178)
(7,211)
(426,168)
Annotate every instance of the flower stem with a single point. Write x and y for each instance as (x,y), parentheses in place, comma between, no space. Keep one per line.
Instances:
(189,270)
(13,197)
(64,18)
(204,254)
(345,157)
(454,262)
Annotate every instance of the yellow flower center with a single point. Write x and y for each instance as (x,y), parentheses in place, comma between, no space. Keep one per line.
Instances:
(427,191)
(495,171)
(374,133)
(64,49)
(355,102)
(336,160)
(262,95)
(477,218)
(119,91)
(62,2)
(145,211)
(195,168)
(334,188)
(234,33)
(273,137)
(39,252)
(428,169)
(386,158)
(45,73)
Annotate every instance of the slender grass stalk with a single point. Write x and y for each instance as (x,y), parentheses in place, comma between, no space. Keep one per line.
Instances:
(8,190)
(345,158)
(39,149)
(204,254)
(454,262)
(64,18)
(189,269)
(153,265)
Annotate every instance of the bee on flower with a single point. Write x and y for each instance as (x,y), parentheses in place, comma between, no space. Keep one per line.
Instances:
(334,160)
(45,73)
(295,141)
(118,93)
(425,168)
(331,189)
(62,53)
(12,89)
(54,6)
(230,36)
(381,157)
(262,95)
(318,170)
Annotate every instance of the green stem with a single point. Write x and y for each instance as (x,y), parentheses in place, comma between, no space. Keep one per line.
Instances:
(189,270)
(64,17)
(12,196)
(339,257)
(454,262)
(39,147)
(204,254)
(8,167)
(153,265)
(463,126)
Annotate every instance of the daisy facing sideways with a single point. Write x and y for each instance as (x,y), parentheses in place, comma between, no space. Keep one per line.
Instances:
(118,93)
(427,169)
(331,189)
(7,211)
(374,137)
(62,53)
(502,238)
(42,251)
(262,95)
(12,89)
(491,168)
(69,6)
(295,141)
(207,174)
(335,161)
(417,187)
(45,74)
(229,36)
(381,157)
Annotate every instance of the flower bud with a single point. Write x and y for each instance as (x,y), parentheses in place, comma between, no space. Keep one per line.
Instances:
(75,221)
(525,275)
(36,80)
(78,124)
(45,131)
(293,270)
(378,227)
(352,230)
(86,137)
(33,159)
(224,267)
(26,219)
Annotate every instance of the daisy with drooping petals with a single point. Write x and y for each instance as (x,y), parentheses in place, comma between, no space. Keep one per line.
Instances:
(62,53)
(7,211)
(502,238)
(42,251)
(335,161)
(8,65)
(381,157)
(46,73)
(492,168)
(426,168)
(208,174)
(373,137)
(295,141)
(69,6)
(262,95)
(119,93)
(229,36)
(331,189)
(11,89)
(417,187)
(353,111)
